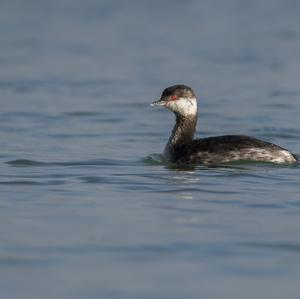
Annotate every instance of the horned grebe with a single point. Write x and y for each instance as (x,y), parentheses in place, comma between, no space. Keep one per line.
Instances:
(181,148)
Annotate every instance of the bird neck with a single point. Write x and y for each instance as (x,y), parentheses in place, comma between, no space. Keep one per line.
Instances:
(183,132)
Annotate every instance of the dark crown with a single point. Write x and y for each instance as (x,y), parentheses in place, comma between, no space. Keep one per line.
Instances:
(179,90)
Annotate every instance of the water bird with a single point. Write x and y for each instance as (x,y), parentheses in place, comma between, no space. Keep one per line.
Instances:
(181,148)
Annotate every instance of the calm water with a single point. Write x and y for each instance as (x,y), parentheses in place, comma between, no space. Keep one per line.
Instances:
(86,210)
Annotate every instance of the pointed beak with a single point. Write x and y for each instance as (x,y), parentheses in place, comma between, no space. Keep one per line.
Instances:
(158,103)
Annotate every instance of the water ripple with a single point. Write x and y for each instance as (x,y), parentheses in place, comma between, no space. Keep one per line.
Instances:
(96,162)
(32,183)
(282,246)
(21,261)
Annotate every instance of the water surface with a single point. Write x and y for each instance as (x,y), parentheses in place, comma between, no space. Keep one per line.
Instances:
(87,210)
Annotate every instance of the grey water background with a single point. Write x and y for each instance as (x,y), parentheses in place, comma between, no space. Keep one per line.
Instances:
(87,210)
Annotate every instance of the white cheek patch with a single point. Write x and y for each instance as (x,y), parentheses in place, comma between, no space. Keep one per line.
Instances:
(183,106)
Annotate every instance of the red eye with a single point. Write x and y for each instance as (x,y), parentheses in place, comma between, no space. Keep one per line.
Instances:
(173,98)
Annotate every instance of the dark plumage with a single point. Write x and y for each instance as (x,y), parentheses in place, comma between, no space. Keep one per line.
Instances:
(179,90)
(226,148)
(181,148)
